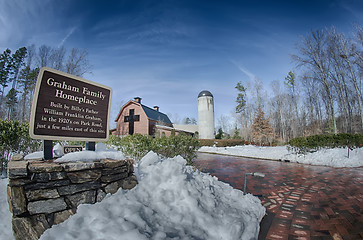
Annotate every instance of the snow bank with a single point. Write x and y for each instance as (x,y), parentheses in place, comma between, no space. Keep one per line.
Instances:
(337,157)
(5,220)
(171,201)
(90,156)
(101,153)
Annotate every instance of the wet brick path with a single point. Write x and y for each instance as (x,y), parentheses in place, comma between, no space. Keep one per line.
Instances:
(302,201)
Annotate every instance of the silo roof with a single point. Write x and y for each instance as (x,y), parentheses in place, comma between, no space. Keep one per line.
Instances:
(205,93)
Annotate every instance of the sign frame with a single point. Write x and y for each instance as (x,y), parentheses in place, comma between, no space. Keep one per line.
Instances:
(70,77)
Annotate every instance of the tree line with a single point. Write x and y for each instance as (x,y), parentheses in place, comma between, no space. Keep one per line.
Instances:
(19,72)
(325,96)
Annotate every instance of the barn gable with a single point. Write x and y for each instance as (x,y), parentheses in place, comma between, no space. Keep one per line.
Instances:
(135,117)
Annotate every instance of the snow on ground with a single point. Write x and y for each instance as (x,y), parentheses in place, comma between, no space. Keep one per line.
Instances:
(5,219)
(337,157)
(171,201)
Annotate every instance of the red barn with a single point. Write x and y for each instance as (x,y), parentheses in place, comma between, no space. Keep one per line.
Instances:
(135,117)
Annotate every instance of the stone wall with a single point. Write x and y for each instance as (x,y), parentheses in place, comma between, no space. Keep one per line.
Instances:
(44,193)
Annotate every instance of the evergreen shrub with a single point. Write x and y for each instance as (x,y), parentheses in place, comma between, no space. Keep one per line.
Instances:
(316,142)
(136,146)
(14,138)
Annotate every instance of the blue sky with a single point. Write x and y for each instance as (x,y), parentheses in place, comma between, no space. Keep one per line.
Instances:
(168,51)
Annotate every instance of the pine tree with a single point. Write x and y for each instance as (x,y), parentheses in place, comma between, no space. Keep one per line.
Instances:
(291,84)
(261,128)
(187,121)
(18,61)
(241,98)
(236,133)
(219,134)
(11,102)
(5,71)
(27,80)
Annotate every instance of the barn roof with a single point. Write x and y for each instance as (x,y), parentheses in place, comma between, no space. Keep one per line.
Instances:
(156,115)
(150,113)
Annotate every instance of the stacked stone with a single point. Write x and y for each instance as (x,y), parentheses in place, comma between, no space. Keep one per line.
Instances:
(42,194)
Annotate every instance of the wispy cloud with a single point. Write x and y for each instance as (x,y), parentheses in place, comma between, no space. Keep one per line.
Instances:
(151,23)
(25,22)
(250,75)
(353,7)
(67,36)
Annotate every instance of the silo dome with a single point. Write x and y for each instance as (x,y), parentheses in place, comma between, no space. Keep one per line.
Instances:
(205,93)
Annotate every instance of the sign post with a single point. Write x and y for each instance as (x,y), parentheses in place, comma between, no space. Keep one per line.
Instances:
(66,107)
(48,149)
(91,146)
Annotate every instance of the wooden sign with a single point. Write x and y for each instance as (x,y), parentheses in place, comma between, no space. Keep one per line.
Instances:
(66,107)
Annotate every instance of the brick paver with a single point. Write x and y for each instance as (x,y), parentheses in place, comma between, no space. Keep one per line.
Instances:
(304,202)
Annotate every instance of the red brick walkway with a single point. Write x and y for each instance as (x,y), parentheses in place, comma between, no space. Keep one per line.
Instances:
(303,201)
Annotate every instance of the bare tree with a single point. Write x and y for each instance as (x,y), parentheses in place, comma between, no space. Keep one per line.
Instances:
(326,97)
(313,55)
(44,56)
(313,104)
(224,123)
(57,58)
(291,84)
(338,75)
(77,63)
(348,55)
(175,118)
(278,112)
(32,52)
(259,92)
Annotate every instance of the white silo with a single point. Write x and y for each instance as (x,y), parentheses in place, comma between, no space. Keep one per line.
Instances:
(205,115)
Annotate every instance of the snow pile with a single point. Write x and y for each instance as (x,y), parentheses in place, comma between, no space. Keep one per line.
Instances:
(5,220)
(90,156)
(101,153)
(171,201)
(337,157)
